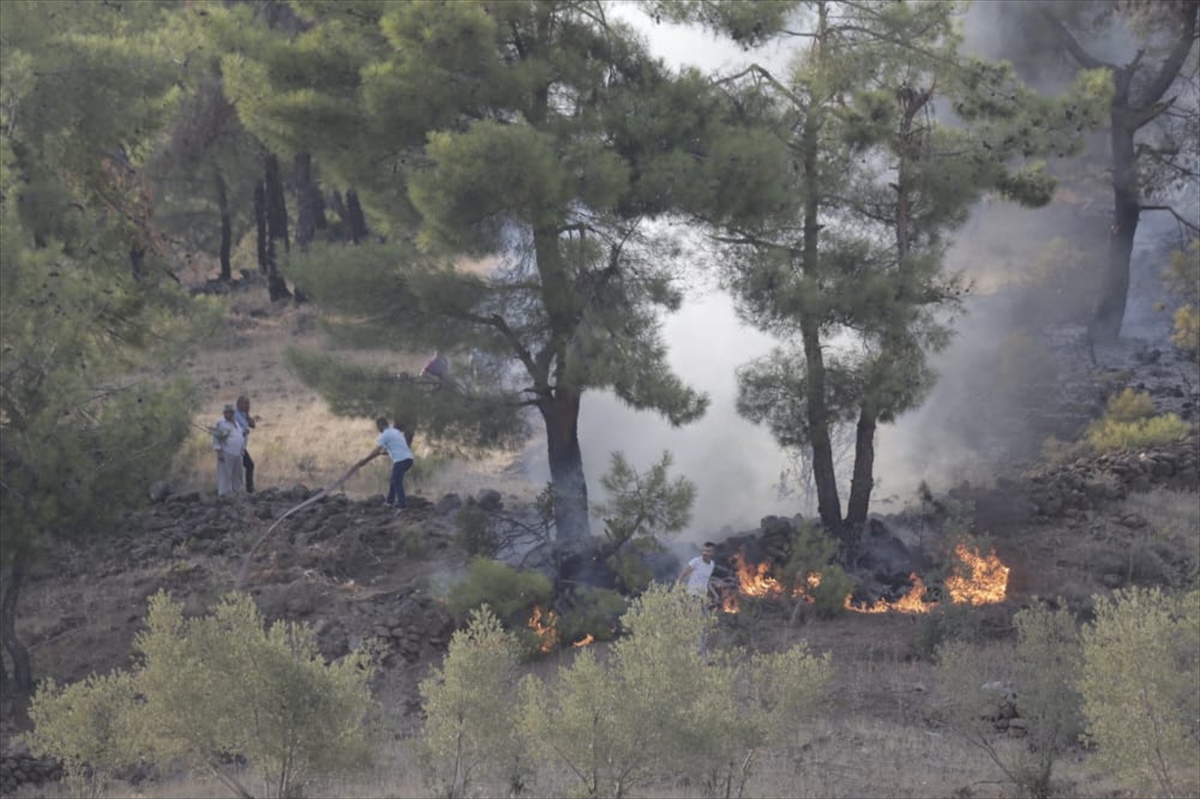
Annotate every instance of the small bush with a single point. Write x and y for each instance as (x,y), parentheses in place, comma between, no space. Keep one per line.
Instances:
(947,623)
(985,687)
(88,726)
(475,535)
(227,683)
(593,611)
(1129,423)
(1140,671)
(811,568)
(507,591)
(1184,278)
(470,737)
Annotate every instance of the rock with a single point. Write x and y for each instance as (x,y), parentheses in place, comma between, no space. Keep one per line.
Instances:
(448,504)
(159,491)
(489,499)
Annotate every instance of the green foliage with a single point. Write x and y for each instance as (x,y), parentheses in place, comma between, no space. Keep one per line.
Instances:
(651,711)
(506,590)
(946,623)
(1184,279)
(88,726)
(592,611)
(475,535)
(470,737)
(1036,678)
(643,505)
(811,558)
(223,683)
(1140,671)
(1129,423)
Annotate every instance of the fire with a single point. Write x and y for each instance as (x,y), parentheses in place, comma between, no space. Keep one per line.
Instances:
(911,602)
(587,639)
(755,580)
(987,582)
(547,633)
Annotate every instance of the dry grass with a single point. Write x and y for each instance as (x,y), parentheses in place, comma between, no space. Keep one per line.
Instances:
(298,440)
(849,757)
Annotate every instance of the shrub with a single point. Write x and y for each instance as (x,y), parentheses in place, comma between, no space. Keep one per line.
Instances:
(1184,278)
(984,685)
(470,734)
(811,568)
(652,710)
(1139,680)
(475,535)
(946,623)
(506,590)
(225,684)
(1129,423)
(88,726)
(594,612)
(642,505)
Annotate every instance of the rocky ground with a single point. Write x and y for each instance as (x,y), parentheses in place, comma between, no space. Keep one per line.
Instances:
(352,569)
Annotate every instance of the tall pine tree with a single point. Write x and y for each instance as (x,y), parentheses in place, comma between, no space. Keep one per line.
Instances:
(540,138)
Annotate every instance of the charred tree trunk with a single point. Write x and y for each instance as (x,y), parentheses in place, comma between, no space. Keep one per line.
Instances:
(22,673)
(226,228)
(356,220)
(560,412)
(863,481)
(310,208)
(260,228)
(277,228)
(137,263)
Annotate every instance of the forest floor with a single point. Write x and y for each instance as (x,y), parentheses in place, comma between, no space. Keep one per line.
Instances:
(878,735)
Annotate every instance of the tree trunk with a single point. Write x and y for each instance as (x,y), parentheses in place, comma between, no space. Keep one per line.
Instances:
(22,673)
(310,208)
(863,481)
(561,415)
(277,228)
(829,506)
(1110,311)
(226,228)
(354,215)
(260,227)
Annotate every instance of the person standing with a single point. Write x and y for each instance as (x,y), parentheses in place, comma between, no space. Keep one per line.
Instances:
(229,444)
(396,442)
(246,422)
(695,576)
(698,571)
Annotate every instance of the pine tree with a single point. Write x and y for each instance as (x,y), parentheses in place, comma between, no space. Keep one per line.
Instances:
(89,411)
(538,137)
(1152,146)
(850,276)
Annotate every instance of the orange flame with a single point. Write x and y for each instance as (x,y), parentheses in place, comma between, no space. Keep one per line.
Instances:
(755,580)
(987,582)
(911,602)
(587,639)
(547,633)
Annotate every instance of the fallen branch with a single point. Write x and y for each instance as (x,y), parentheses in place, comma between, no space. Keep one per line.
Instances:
(244,571)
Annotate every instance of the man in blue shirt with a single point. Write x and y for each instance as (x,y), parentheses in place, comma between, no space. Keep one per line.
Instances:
(245,421)
(397,443)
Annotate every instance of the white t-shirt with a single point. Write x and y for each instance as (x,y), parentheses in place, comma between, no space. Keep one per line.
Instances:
(698,577)
(393,441)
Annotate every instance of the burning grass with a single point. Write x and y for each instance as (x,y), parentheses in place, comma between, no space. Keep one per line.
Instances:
(974,580)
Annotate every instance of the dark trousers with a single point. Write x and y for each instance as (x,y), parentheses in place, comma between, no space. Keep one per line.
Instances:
(396,488)
(248,468)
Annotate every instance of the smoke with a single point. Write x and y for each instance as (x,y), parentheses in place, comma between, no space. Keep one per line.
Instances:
(1021,334)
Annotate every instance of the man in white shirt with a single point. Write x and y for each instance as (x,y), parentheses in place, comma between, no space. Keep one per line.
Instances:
(397,443)
(229,444)
(698,571)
